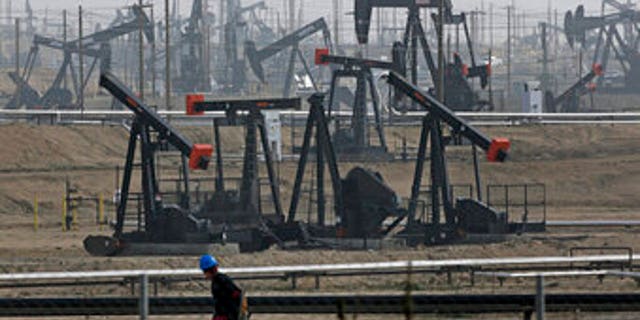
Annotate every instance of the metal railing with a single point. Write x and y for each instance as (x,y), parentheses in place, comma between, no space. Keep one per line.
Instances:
(526,201)
(101,117)
(144,305)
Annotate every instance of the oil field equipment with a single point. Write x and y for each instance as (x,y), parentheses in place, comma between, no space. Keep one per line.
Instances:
(569,100)
(193,76)
(162,223)
(235,30)
(354,141)
(95,45)
(362,201)
(463,216)
(459,94)
(240,212)
(624,47)
(292,40)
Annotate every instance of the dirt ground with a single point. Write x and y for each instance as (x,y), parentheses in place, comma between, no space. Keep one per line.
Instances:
(590,172)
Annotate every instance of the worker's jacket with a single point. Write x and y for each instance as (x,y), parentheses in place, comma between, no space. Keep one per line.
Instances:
(227,297)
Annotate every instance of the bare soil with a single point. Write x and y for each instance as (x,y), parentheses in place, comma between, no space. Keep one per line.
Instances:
(590,172)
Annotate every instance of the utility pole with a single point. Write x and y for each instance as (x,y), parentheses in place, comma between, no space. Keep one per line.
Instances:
(483,24)
(523,24)
(64,39)
(1,42)
(292,15)
(439,32)
(336,23)
(491,26)
(514,12)
(18,57)
(379,26)
(81,60)
(17,44)
(140,55)
(508,89)
(556,46)
(167,57)
(457,38)
(545,58)
(153,56)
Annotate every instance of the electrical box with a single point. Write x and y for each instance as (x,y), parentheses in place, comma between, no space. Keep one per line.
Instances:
(274,134)
(532,97)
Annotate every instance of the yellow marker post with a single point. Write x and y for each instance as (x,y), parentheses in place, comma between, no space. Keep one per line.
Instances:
(35,213)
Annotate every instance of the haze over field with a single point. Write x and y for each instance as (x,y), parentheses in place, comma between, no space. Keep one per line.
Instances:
(310,5)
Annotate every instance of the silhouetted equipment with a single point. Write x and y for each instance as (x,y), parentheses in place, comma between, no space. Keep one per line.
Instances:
(363,9)
(625,48)
(95,45)
(459,95)
(368,202)
(163,223)
(192,76)
(354,141)
(292,40)
(569,101)
(240,212)
(362,201)
(465,215)
(235,33)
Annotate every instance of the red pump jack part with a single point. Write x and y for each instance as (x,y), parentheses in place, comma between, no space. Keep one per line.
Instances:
(498,149)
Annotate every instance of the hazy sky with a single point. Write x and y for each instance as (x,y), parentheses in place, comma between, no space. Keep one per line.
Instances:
(313,5)
(102,10)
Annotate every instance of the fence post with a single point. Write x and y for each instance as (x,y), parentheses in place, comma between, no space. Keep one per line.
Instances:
(74,211)
(35,213)
(101,211)
(64,213)
(540,297)
(408,307)
(144,297)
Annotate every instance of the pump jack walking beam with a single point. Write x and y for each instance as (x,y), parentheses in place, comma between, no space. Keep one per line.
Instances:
(292,41)
(144,122)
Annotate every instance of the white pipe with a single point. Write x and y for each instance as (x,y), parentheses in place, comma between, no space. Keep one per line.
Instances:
(325,268)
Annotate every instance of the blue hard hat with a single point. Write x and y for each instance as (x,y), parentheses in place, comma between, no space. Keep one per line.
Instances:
(207,262)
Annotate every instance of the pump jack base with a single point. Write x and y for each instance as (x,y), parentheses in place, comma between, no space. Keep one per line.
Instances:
(103,246)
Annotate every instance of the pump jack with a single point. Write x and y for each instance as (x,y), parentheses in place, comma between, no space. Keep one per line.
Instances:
(292,40)
(468,215)
(162,223)
(232,59)
(355,141)
(626,51)
(458,94)
(569,101)
(240,212)
(95,45)
(192,59)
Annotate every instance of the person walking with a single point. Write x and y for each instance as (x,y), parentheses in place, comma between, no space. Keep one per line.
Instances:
(228,299)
